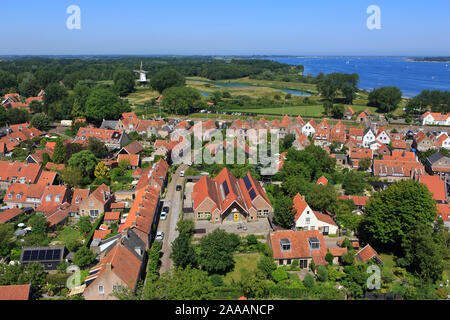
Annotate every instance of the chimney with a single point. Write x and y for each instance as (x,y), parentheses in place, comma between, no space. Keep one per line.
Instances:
(108,266)
(133,224)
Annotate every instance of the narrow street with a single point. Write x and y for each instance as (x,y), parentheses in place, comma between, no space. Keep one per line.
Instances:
(174,201)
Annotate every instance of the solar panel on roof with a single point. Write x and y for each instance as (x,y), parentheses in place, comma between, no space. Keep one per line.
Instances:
(26,256)
(225,188)
(56,255)
(48,255)
(34,255)
(247,182)
(41,255)
(252,194)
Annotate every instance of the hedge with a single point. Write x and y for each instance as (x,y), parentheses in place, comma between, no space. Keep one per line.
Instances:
(97,224)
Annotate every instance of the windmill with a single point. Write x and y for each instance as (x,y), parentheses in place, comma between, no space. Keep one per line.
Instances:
(142,76)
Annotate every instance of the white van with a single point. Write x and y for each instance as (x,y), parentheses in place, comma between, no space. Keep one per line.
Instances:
(181,173)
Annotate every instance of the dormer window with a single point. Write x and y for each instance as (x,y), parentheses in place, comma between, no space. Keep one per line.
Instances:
(285,245)
(314,243)
(48,198)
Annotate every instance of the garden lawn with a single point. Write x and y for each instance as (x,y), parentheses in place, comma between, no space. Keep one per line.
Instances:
(69,234)
(245,264)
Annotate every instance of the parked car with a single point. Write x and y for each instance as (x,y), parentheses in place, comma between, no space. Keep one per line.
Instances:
(181,173)
(179,187)
(165,209)
(160,236)
(163,215)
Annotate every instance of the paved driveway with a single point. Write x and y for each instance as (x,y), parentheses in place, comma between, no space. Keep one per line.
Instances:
(174,201)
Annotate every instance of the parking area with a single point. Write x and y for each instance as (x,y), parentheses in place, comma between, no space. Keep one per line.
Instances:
(260,227)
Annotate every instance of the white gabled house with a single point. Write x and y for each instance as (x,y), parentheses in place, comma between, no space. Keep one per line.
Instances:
(309,129)
(307,219)
(368,138)
(435,118)
(383,136)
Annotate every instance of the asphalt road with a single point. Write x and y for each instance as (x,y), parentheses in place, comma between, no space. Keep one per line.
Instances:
(174,201)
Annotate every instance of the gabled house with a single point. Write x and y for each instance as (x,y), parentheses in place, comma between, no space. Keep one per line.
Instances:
(368,253)
(303,246)
(322,134)
(355,155)
(18,172)
(307,219)
(338,133)
(132,159)
(301,141)
(96,203)
(113,139)
(309,129)
(442,141)
(438,164)
(435,118)
(369,138)
(132,148)
(357,134)
(348,114)
(227,199)
(383,137)
(422,142)
(121,267)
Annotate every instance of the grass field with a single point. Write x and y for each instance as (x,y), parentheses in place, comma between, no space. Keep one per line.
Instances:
(245,264)
(69,234)
(142,95)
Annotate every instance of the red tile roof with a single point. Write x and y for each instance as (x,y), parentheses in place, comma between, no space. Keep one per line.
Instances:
(366,254)
(435,185)
(28,172)
(357,200)
(444,211)
(299,245)
(123,263)
(322,180)
(15,292)
(9,214)
(101,234)
(132,158)
(356,153)
(47,178)
(338,252)
(112,216)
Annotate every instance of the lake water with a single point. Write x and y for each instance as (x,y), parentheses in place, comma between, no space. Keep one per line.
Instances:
(374,72)
(236,85)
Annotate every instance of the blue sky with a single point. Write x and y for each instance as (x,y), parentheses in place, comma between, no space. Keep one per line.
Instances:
(300,27)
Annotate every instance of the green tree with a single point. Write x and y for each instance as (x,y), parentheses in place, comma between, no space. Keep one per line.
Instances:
(181,100)
(34,274)
(40,121)
(365,164)
(279,275)
(38,224)
(186,226)
(104,104)
(353,183)
(181,284)
(267,266)
(329,258)
(322,198)
(97,148)
(183,253)
(216,252)
(284,214)
(393,213)
(309,281)
(385,99)
(322,274)
(54,93)
(83,257)
(101,171)
(165,79)
(123,82)
(84,225)
(425,250)
(59,155)
(254,285)
(71,176)
(6,237)
(85,161)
